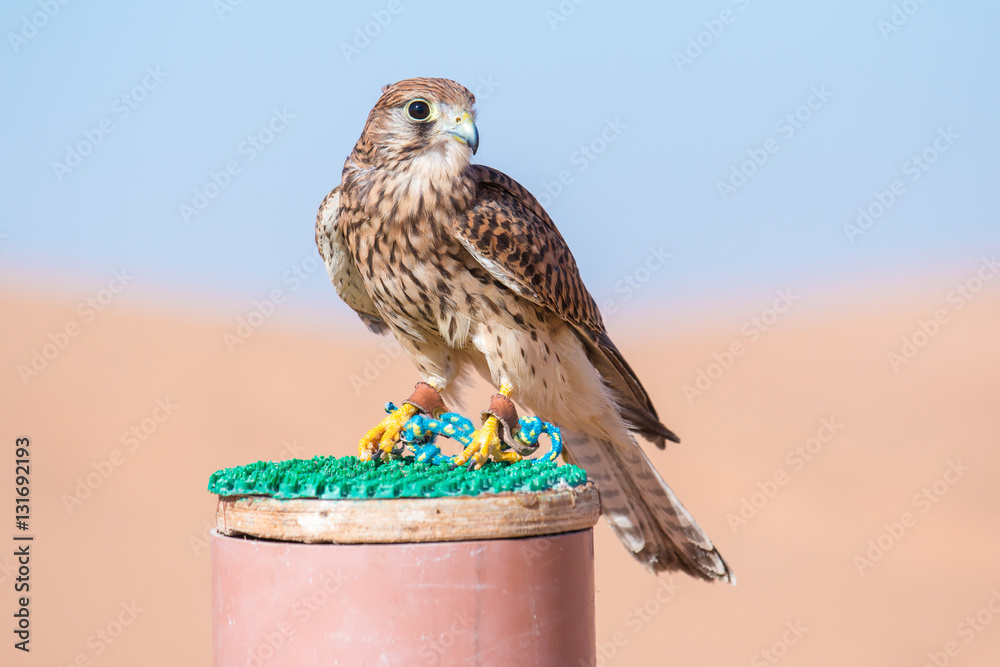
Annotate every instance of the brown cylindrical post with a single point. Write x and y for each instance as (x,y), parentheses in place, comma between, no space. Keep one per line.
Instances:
(486,580)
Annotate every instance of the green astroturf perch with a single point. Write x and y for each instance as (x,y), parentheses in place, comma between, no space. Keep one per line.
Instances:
(426,474)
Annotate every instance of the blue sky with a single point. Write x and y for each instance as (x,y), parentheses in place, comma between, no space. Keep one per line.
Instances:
(806,111)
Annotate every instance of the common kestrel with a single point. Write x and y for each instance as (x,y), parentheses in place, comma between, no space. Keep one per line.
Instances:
(466,269)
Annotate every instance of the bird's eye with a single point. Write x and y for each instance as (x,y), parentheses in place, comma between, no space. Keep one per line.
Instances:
(418,109)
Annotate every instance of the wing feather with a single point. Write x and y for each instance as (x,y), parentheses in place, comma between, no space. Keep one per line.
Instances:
(512,236)
(514,239)
(340,266)
(636,406)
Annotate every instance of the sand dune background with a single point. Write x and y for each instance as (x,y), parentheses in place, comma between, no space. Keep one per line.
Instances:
(810,433)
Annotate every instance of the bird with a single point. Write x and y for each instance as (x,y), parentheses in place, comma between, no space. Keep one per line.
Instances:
(463,266)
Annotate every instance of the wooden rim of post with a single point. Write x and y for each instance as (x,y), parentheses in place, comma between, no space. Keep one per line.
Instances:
(394,520)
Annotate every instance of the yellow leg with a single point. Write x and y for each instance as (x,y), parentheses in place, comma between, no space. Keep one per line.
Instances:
(486,443)
(383,438)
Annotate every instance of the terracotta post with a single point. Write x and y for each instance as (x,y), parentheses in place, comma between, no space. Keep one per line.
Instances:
(488,580)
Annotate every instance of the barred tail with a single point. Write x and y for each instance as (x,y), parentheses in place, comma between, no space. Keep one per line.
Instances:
(643,511)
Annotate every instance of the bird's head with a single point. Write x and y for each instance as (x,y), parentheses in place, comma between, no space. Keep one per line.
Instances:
(428,123)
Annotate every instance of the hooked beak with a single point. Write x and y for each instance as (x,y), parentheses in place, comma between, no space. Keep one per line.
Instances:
(465,131)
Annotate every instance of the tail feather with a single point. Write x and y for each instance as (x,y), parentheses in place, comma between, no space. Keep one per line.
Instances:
(643,511)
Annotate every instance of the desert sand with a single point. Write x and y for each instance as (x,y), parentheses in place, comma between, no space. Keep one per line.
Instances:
(857,503)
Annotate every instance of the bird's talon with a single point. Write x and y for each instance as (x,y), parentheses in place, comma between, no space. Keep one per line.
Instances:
(485,445)
(383,438)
